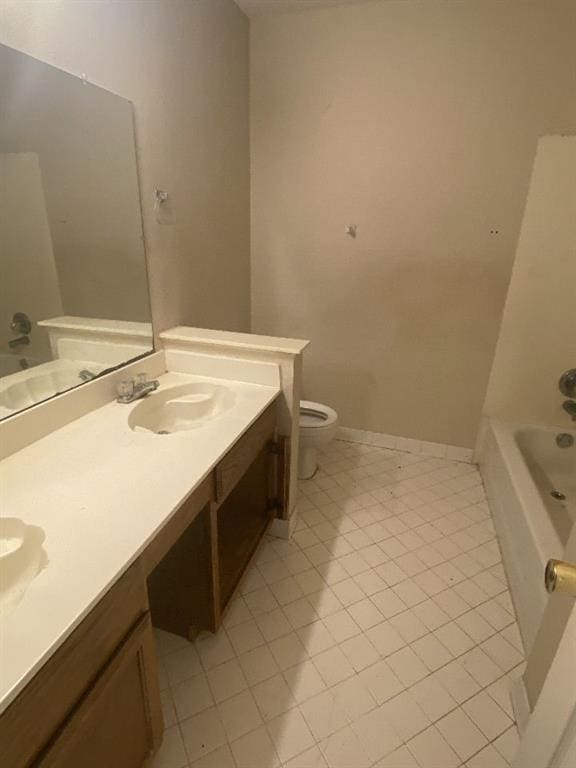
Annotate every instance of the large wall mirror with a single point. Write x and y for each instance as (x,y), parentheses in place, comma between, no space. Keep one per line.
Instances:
(74,299)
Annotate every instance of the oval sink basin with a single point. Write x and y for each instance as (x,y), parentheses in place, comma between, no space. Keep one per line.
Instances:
(22,557)
(181,408)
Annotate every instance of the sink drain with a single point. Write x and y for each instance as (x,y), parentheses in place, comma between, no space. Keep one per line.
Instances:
(558,495)
(163,432)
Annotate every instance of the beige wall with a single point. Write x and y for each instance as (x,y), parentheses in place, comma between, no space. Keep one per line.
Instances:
(418,122)
(185,66)
(538,335)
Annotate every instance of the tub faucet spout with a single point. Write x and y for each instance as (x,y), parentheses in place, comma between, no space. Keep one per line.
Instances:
(570,408)
(21,341)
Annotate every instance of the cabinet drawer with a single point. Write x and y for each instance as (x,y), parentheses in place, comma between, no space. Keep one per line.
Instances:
(31,720)
(118,724)
(233,466)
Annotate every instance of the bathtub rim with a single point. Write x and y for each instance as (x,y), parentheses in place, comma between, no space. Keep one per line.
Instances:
(547,541)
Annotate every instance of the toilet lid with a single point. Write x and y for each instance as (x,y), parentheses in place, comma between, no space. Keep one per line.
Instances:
(311,418)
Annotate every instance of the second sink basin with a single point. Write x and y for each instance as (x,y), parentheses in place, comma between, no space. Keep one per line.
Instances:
(181,408)
(22,557)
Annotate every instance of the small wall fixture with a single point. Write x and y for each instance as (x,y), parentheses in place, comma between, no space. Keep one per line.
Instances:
(351,230)
(162,207)
(160,196)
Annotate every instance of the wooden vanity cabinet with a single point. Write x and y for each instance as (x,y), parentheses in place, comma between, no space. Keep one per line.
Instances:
(97,696)
(246,500)
(236,463)
(241,522)
(181,586)
(196,562)
(115,725)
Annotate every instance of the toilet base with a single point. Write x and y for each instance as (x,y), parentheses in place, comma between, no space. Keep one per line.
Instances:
(307,462)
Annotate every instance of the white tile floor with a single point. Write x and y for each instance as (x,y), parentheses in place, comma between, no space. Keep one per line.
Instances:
(382,636)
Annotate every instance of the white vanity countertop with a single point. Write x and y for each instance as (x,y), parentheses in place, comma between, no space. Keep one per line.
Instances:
(101,492)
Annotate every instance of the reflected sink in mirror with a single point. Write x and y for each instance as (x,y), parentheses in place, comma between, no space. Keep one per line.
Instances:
(22,557)
(34,387)
(181,408)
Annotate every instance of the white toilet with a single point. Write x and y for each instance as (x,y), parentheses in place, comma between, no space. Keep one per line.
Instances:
(318,425)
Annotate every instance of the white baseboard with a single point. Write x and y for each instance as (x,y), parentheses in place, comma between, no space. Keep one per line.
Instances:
(421,447)
(283,529)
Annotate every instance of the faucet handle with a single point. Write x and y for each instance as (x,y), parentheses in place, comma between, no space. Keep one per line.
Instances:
(125,388)
(141,378)
(21,324)
(567,383)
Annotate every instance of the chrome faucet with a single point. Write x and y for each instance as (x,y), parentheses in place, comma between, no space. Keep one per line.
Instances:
(86,375)
(21,341)
(130,390)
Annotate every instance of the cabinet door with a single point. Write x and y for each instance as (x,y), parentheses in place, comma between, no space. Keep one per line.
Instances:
(39,711)
(234,465)
(242,521)
(118,724)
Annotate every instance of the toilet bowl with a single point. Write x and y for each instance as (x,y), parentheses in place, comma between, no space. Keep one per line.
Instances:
(318,425)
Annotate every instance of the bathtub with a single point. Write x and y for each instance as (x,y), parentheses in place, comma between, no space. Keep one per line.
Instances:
(521,466)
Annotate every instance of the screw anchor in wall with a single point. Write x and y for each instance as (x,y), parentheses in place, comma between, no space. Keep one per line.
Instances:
(162,207)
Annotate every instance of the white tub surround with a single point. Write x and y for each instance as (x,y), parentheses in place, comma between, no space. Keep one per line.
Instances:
(109,342)
(101,492)
(520,465)
(179,342)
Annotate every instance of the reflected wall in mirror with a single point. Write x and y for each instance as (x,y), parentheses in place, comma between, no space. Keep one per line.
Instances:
(74,296)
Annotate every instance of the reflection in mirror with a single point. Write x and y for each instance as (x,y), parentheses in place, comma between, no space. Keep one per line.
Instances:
(73,283)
